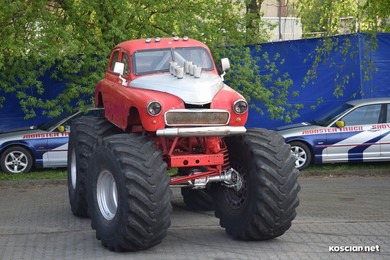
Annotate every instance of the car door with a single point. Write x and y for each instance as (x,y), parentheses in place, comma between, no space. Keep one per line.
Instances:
(358,140)
(385,133)
(57,147)
(112,79)
(116,93)
(56,155)
(120,92)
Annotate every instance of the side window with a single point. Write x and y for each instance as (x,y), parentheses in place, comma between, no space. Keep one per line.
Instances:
(126,61)
(363,115)
(90,112)
(115,58)
(388,114)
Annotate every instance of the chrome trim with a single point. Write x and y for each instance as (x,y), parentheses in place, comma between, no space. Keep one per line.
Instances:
(202,131)
(147,107)
(196,111)
(234,104)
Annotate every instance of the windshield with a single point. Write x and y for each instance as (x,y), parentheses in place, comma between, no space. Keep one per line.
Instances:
(329,117)
(46,126)
(153,61)
(68,117)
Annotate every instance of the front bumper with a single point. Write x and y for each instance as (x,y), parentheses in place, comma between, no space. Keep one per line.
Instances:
(202,131)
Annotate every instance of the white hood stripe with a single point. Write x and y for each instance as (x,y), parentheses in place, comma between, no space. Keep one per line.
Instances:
(191,90)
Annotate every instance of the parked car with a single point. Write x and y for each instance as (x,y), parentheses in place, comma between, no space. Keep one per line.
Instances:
(41,146)
(356,131)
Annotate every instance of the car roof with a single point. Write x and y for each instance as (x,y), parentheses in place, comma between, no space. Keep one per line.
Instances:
(369,101)
(162,43)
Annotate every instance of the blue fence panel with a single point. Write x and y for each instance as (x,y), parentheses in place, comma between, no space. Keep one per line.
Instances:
(298,60)
(11,114)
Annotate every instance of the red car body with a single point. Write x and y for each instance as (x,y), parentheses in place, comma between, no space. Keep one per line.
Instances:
(126,106)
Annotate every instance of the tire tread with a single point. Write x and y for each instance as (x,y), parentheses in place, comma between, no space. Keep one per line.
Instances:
(274,172)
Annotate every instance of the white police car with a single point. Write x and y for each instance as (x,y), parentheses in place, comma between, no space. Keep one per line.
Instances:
(41,146)
(357,131)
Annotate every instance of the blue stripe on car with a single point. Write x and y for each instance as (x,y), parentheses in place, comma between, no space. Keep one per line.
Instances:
(359,150)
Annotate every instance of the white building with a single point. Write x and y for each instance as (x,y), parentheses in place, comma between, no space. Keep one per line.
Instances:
(281,16)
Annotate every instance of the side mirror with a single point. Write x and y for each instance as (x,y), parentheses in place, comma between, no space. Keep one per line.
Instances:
(119,68)
(225,64)
(340,124)
(61,128)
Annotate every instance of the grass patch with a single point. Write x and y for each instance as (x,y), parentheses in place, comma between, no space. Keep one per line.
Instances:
(61,173)
(349,166)
(44,174)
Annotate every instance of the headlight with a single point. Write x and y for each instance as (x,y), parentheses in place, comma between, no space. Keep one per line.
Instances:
(153,108)
(240,106)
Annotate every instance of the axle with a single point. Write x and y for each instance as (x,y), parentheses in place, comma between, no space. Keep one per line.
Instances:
(198,180)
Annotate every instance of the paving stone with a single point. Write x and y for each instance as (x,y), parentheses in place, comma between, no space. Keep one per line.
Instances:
(36,223)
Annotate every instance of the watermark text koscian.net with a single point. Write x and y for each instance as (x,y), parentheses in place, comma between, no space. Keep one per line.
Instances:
(357,249)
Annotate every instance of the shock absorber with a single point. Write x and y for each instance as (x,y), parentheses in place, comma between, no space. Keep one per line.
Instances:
(226,160)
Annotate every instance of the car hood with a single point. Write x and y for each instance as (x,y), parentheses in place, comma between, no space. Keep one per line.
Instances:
(20,129)
(19,135)
(197,91)
(293,126)
(296,129)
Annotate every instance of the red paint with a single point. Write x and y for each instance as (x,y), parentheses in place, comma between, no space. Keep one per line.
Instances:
(126,106)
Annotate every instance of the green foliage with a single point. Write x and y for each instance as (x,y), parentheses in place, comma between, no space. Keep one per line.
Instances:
(74,39)
(245,76)
(374,15)
(328,18)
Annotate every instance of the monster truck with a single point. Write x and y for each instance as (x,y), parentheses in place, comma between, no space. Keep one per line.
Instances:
(166,107)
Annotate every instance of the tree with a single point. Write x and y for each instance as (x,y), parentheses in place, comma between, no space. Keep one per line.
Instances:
(329,18)
(72,40)
(374,15)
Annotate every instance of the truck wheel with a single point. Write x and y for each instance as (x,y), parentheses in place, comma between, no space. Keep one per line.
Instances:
(198,199)
(15,160)
(129,197)
(263,207)
(85,132)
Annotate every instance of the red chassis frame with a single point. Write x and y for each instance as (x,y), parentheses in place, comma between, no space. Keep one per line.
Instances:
(186,152)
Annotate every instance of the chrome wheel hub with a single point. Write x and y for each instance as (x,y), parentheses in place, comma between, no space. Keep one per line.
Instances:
(16,162)
(73,169)
(300,156)
(107,195)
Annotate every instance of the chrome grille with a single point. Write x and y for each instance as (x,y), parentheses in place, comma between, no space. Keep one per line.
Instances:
(196,117)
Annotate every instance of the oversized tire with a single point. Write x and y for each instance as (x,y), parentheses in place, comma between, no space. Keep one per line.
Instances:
(84,135)
(198,199)
(16,159)
(302,154)
(129,197)
(264,206)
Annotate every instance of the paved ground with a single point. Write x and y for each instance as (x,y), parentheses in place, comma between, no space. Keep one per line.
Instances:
(36,223)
